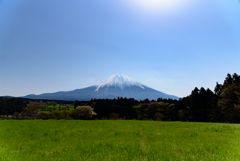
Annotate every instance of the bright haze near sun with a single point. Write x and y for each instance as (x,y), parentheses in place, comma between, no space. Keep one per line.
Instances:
(163,7)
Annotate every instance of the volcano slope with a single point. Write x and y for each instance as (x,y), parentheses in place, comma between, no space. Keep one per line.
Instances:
(115,86)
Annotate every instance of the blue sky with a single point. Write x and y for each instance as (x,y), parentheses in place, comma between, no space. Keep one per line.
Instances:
(49,46)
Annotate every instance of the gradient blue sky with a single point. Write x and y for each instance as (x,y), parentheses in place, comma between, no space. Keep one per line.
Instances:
(56,45)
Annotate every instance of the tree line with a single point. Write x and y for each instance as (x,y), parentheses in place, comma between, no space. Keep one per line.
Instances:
(202,105)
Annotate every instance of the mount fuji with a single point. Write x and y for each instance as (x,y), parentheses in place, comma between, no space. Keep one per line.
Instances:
(118,85)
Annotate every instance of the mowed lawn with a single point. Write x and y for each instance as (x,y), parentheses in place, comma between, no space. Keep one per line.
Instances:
(117,140)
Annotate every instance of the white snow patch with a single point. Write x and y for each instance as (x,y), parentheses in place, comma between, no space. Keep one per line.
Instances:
(118,80)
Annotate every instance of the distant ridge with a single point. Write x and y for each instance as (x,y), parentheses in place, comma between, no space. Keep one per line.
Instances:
(118,85)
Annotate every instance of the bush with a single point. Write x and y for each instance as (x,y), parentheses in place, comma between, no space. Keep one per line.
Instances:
(114,116)
(84,112)
(159,116)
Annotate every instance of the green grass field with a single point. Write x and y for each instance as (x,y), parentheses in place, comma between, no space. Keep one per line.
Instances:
(117,140)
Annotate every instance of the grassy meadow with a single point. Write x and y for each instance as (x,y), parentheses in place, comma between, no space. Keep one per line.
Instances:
(38,140)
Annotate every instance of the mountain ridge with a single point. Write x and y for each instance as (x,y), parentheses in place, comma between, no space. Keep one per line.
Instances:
(118,85)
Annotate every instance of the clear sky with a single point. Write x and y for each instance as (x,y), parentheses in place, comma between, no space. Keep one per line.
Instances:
(170,45)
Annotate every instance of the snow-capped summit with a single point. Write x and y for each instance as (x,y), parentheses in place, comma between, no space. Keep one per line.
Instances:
(118,80)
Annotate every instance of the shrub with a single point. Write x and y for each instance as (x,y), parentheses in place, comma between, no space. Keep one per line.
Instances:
(159,116)
(182,114)
(84,112)
(114,116)
(50,109)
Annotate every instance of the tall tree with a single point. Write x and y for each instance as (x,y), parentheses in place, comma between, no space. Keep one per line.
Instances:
(229,103)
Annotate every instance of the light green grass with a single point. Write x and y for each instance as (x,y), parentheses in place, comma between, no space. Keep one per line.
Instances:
(117,140)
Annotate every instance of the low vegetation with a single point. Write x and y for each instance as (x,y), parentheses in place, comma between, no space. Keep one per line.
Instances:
(117,140)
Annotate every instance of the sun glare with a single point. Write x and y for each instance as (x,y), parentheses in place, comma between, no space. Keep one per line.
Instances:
(159,5)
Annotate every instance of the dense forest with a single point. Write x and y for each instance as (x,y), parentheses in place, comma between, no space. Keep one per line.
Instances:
(202,105)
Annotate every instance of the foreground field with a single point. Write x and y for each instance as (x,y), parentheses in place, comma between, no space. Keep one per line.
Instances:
(117,140)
